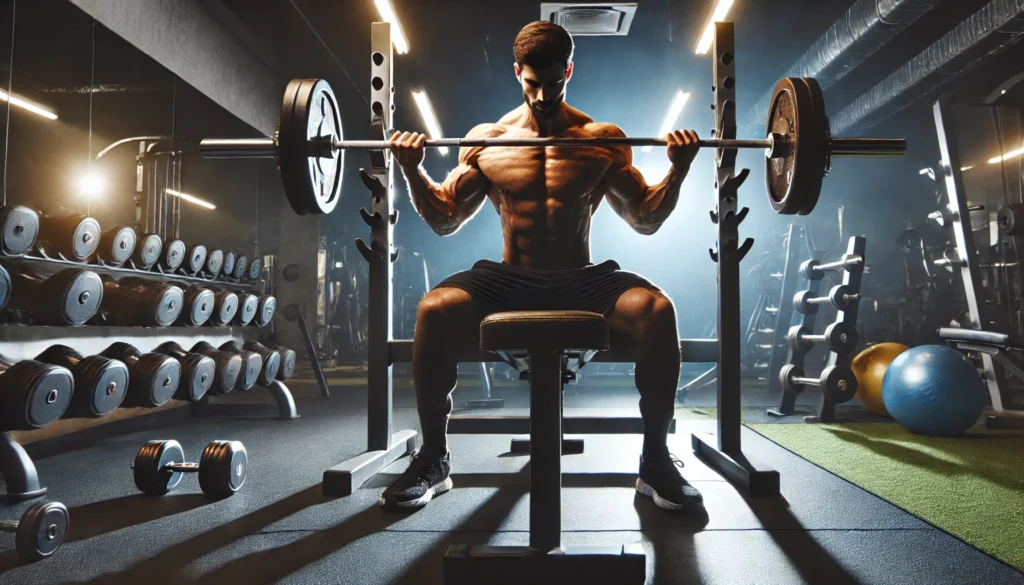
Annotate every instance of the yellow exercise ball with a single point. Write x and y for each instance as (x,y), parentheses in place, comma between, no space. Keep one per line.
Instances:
(869,366)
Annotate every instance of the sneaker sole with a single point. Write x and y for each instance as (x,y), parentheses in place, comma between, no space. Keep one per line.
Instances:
(435,490)
(659,501)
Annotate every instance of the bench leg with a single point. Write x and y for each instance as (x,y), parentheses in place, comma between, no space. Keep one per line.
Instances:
(546,454)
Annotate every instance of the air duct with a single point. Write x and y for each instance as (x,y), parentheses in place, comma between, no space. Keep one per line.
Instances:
(866,27)
(594,19)
(987,32)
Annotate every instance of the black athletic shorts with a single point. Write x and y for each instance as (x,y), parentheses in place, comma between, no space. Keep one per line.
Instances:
(497,287)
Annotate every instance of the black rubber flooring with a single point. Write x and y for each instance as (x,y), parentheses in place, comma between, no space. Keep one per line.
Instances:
(280,528)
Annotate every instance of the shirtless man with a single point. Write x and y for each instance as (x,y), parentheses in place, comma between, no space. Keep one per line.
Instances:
(546,198)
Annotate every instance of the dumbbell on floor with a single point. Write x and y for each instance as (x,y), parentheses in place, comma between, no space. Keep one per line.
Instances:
(41,530)
(839,337)
(147,251)
(271,359)
(74,237)
(100,382)
(146,304)
(224,367)
(222,468)
(19,227)
(116,246)
(33,394)
(837,383)
(69,298)
(250,369)
(814,270)
(153,378)
(199,306)
(288,357)
(839,297)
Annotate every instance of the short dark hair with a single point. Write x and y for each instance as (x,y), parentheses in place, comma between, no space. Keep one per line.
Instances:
(542,44)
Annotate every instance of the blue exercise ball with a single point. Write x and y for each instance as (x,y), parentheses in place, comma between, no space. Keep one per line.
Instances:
(933,390)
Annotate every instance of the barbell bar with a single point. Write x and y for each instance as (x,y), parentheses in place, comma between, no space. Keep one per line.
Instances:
(309,146)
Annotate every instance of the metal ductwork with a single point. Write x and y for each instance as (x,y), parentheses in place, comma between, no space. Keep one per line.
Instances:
(866,27)
(987,32)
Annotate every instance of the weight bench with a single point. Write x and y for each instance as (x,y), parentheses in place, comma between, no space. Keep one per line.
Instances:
(546,338)
(997,346)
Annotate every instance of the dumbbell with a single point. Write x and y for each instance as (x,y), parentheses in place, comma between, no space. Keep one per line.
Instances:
(839,337)
(199,305)
(814,270)
(69,298)
(225,305)
(147,304)
(214,263)
(222,468)
(251,366)
(229,263)
(147,251)
(173,255)
(288,357)
(271,359)
(241,267)
(100,382)
(19,227)
(255,269)
(248,306)
(196,259)
(41,530)
(153,378)
(75,237)
(33,394)
(222,367)
(5,287)
(836,383)
(839,297)
(265,312)
(116,246)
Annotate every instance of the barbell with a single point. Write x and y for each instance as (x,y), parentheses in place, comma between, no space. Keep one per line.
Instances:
(309,146)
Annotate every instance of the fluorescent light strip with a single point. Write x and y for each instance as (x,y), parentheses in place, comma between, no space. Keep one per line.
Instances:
(671,116)
(721,11)
(427,113)
(191,199)
(1007,156)
(23,103)
(397,36)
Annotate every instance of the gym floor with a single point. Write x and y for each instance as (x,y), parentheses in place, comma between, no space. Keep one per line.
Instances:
(280,528)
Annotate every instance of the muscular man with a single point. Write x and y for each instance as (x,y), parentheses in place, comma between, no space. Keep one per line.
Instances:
(546,198)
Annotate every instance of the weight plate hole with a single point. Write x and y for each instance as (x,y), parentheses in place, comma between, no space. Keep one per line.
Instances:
(167,382)
(19,229)
(51,397)
(111,388)
(51,532)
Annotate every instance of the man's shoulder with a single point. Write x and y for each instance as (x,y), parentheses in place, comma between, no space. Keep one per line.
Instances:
(602,129)
(487,130)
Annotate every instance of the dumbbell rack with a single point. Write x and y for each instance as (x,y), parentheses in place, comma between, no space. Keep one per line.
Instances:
(841,386)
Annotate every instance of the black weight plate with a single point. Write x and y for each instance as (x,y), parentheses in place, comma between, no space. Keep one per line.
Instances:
(5,286)
(150,470)
(196,258)
(36,394)
(1011,220)
(86,239)
(170,300)
(41,530)
(838,384)
(173,255)
(79,294)
(229,368)
(201,308)
(241,265)
(215,262)
(100,385)
(223,468)
(155,379)
(227,305)
(288,357)
(247,308)
(265,313)
(271,366)
(198,372)
(255,269)
(252,365)
(147,251)
(19,227)
(310,111)
(117,245)
(793,179)
(229,263)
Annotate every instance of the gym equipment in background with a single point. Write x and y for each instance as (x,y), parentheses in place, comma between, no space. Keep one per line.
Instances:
(32,394)
(72,237)
(836,381)
(225,306)
(266,306)
(1004,350)
(214,263)
(41,530)
(288,357)
(933,390)
(172,255)
(226,366)
(248,306)
(116,246)
(195,259)
(100,382)
(251,364)
(156,304)
(199,306)
(69,298)
(152,378)
(869,367)
(147,251)
(271,359)
(222,468)
(19,227)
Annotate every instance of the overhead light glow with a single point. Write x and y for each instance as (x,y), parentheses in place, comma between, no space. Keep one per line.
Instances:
(721,11)
(671,116)
(1007,156)
(427,114)
(397,36)
(962,169)
(25,104)
(191,199)
(91,184)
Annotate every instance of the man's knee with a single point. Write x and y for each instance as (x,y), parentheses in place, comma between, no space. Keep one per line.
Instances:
(647,314)
(441,305)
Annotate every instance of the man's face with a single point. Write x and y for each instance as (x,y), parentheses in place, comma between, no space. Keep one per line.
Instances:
(544,89)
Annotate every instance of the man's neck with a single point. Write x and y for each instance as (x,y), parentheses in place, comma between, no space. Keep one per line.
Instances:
(547,126)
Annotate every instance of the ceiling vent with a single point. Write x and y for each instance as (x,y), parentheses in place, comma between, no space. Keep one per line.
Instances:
(593,19)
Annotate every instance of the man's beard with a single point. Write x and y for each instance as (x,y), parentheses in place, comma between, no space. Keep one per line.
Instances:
(550,109)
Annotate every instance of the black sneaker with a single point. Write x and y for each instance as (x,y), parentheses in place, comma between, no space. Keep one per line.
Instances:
(426,477)
(661,481)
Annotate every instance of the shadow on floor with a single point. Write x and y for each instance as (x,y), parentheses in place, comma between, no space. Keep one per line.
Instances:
(109,515)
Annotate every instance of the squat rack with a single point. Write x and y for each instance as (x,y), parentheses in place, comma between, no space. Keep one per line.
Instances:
(723,451)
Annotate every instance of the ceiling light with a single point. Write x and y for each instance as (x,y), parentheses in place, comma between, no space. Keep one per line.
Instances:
(671,116)
(191,199)
(427,114)
(1007,156)
(397,36)
(25,104)
(91,184)
(721,10)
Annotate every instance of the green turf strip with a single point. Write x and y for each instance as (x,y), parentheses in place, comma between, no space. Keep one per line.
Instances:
(971,487)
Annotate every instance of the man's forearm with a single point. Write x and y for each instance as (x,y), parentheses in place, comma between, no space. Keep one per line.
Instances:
(660,200)
(430,201)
